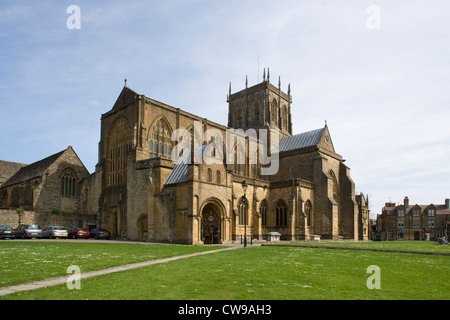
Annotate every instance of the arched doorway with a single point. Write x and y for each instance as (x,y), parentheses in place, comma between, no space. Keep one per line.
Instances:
(211,227)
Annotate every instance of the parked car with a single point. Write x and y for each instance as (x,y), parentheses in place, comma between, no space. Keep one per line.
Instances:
(7,232)
(75,233)
(100,234)
(28,231)
(52,232)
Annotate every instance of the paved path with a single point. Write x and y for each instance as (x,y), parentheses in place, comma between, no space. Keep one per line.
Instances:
(84,275)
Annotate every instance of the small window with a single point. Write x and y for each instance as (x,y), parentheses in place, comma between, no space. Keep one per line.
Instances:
(208,175)
(217,176)
(263,212)
(431,212)
(308,213)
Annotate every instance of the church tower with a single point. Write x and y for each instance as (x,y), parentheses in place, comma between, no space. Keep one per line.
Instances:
(262,106)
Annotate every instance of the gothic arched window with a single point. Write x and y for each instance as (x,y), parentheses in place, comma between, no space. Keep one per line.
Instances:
(254,163)
(217,176)
(263,212)
(284,117)
(118,145)
(281,214)
(274,111)
(160,140)
(256,111)
(335,186)
(239,118)
(68,183)
(242,207)
(308,213)
(239,159)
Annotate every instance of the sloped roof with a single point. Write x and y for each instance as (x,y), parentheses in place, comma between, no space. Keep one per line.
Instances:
(33,170)
(180,172)
(302,140)
(8,169)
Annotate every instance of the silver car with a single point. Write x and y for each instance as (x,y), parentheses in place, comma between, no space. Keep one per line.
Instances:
(52,232)
(28,231)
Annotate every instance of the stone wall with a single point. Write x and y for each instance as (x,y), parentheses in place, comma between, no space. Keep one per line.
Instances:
(13,218)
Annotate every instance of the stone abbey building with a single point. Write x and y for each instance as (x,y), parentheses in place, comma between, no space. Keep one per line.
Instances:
(138,192)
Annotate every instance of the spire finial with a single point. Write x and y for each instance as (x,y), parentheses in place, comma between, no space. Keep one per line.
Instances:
(279,82)
(125,82)
(246,82)
(264,75)
(268,74)
(289,89)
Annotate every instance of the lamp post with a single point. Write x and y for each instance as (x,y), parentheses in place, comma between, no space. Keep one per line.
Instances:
(244,202)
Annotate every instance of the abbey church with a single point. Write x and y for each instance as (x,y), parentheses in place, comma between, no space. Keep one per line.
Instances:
(140,192)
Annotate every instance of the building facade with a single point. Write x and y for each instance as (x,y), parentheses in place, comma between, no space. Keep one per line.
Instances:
(414,222)
(46,185)
(166,175)
(138,192)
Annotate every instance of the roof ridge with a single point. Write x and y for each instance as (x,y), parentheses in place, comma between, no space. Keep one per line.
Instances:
(32,170)
(301,140)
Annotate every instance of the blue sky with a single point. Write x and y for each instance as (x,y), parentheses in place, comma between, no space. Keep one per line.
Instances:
(383,92)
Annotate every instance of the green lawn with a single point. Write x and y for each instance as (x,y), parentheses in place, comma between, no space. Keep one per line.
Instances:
(257,273)
(27,261)
(416,246)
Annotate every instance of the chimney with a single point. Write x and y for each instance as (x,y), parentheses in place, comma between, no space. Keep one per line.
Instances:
(447,203)
(406,202)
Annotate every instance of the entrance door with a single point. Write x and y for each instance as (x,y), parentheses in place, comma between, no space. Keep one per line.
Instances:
(416,235)
(210,226)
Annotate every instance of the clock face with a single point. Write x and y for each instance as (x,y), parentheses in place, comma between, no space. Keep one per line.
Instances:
(327,139)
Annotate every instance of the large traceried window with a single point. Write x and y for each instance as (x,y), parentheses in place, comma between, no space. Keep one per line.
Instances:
(68,183)
(118,145)
(160,144)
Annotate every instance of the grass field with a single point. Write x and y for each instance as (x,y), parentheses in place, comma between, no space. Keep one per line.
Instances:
(253,273)
(415,246)
(28,261)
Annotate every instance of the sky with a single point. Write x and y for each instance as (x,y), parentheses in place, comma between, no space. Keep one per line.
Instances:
(377,71)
